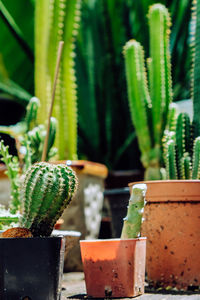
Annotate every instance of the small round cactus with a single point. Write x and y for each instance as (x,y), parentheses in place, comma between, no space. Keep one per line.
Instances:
(47,189)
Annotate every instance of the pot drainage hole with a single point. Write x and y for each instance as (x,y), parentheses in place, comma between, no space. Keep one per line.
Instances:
(108,291)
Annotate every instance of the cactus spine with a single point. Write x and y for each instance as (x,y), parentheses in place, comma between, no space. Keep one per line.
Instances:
(181,157)
(149,106)
(133,220)
(47,189)
(58,21)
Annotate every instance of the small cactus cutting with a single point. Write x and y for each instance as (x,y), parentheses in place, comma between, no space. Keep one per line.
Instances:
(47,189)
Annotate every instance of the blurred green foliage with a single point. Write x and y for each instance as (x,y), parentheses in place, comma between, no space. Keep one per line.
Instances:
(105,130)
(106,133)
(16,54)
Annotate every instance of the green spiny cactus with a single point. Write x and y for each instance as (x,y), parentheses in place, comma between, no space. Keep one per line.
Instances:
(150,106)
(58,20)
(33,142)
(133,220)
(170,160)
(47,189)
(195,79)
(182,158)
(159,68)
(196,159)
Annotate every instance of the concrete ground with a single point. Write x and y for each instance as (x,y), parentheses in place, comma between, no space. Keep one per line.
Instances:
(74,288)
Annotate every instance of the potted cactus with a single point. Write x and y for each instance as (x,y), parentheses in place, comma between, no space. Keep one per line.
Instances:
(149,102)
(116,267)
(59,21)
(32,259)
(172,211)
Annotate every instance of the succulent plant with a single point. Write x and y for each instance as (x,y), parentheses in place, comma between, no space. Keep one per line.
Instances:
(46,191)
(13,173)
(182,150)
(56,21)
(133,220)
(149,103)
(195,45)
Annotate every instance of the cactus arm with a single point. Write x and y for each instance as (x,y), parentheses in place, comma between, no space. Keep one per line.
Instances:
(138,95)
(160,75)
(72,19)
(183,142)
(183,138)
(133,220)
(195,79)
(185,166)
(42,19)
(196,159)
(31,112)
(171,168)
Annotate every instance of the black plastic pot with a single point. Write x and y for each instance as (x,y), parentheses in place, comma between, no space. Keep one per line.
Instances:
(31,268)
(118,202)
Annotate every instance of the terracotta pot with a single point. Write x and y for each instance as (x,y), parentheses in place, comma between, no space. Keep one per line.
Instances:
(114,268)
(171,225)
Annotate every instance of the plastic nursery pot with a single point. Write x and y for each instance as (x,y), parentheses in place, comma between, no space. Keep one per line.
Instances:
(31,268)
(171,225)
(114,268)
(118,202)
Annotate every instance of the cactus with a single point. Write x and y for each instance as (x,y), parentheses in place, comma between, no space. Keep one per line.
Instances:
(57,20)
(182,151)
(33,142)
(47,189)
(196,67)
(133,220)
(196,159)
(149,105)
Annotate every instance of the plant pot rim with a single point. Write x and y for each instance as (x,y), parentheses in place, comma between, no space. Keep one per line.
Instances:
(33,238)
(85,167)
(171,190)
(116,240)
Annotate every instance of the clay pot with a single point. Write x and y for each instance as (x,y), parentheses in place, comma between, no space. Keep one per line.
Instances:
(171,225)
(114,268)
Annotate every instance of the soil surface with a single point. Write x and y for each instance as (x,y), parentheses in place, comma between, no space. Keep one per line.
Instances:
(74,288)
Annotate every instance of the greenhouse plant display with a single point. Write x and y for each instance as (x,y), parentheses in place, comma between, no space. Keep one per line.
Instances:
(46,190)
(116,267)
(173,206)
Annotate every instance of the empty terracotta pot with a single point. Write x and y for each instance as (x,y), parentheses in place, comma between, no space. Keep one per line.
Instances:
(114,268)
(171,225)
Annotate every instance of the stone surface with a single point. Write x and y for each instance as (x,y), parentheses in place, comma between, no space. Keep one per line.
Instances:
(74,288)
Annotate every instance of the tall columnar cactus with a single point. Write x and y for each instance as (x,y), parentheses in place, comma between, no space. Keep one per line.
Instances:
(182,151)
(196,66)
(47,189)
(133,220)
(149,104)
(57,20)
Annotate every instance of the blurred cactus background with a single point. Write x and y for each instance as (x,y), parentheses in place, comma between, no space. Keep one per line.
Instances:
(105,130)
